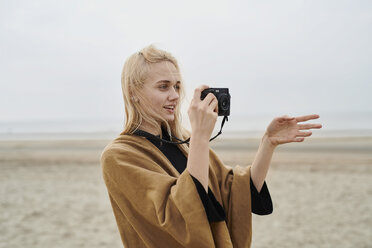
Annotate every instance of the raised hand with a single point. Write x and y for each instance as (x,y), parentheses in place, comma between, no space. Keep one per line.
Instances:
(286,129)
(203,113)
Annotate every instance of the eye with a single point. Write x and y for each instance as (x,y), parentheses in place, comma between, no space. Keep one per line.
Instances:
(177,87)
(163,86)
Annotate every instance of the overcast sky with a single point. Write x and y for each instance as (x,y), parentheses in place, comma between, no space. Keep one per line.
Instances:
(63,59)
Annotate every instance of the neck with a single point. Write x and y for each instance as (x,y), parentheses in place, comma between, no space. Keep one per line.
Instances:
(149,129)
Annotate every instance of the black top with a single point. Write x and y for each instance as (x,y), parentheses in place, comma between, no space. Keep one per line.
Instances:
(260,201)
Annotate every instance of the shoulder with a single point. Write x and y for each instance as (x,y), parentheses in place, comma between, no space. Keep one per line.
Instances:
(130,152)
(125,146)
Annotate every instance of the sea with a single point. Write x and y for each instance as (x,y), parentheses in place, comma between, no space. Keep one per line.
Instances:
(238,126)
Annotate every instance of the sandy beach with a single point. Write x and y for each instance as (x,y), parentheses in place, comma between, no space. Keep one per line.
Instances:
(53,194)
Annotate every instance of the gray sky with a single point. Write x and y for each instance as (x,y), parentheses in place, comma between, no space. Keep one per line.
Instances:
(63,59)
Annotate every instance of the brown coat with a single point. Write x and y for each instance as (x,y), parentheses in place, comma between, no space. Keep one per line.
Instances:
(155,206)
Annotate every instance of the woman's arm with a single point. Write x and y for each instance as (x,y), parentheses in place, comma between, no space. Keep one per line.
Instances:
(261,162)
(203,117)
(281,130)
(198,159)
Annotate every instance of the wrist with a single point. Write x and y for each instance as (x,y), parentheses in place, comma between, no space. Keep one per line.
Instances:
(197,141)
(266,141)
(199,136)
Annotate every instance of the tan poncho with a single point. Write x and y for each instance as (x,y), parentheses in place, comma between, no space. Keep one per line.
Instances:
(155,206)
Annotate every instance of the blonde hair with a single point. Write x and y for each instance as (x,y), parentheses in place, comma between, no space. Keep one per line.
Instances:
(135,71)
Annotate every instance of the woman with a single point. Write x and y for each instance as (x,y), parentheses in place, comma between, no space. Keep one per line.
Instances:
(168,195)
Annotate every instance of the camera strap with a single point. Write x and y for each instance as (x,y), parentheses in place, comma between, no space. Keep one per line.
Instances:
(143,133)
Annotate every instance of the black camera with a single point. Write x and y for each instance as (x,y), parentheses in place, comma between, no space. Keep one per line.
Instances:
(223,97)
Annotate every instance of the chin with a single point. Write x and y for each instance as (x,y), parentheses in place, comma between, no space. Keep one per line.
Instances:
(169,118)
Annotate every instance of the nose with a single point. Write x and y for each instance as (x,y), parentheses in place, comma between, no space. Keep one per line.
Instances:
(173,94)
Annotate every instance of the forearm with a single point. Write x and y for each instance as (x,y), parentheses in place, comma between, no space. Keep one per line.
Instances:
(198,159)
(261,162)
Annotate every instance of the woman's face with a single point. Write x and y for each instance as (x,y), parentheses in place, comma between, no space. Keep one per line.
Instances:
(161,89)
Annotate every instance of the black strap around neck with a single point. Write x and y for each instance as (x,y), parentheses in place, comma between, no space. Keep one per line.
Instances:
(151,136)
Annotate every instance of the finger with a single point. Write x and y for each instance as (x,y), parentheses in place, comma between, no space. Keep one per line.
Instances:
(197,92)
(298,139)
(208,99)
(304,134)
(309,126)
(306,117)
(285,118)
(213,106)
(289,140)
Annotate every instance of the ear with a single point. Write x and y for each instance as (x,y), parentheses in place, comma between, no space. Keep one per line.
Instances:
(132,94)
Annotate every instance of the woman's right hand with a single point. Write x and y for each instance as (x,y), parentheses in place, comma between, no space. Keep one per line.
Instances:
(203,114)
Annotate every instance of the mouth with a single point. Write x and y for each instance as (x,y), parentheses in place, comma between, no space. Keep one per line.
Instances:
(170,108)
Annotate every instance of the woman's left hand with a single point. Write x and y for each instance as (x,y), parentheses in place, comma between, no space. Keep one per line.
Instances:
(286,129)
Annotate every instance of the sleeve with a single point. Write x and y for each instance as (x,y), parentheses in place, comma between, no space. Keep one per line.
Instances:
(261,201)
(165,211)
(234,186)
(213,208)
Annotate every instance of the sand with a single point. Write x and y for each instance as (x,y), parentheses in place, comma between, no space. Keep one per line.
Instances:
(53,194)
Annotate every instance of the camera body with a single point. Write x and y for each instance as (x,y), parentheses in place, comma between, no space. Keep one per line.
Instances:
(223,98)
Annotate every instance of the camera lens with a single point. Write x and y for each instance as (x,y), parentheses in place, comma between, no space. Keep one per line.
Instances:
(224,102)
